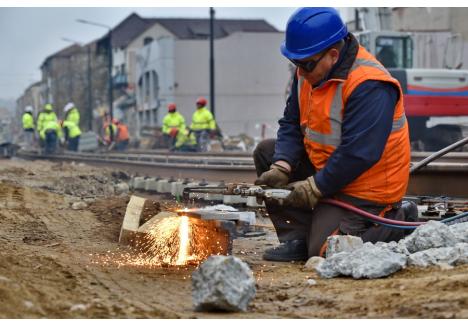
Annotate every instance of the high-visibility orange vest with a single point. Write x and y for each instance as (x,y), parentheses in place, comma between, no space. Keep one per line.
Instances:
(122,132)
(321,115)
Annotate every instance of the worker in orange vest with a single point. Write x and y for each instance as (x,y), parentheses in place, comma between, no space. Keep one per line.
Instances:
(344,135)
(122,138)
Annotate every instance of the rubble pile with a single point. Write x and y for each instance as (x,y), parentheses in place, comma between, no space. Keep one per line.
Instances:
(433,243)
(223,283)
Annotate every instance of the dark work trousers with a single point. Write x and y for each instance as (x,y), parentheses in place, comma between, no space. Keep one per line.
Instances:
(73,143)
(315,225)
(50,141)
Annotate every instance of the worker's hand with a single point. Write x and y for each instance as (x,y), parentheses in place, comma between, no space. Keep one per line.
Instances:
(304,194)
(276,177)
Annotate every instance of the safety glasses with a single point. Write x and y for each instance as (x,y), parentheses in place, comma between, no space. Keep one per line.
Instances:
(309,65)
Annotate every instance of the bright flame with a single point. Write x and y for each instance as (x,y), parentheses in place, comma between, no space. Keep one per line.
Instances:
(184,241)
(170,241)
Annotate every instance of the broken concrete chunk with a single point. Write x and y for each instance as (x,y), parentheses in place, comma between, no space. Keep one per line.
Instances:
(461,231)
(434,256)
(121,188)
(79,205)
(149,225)
(369,261)
(430,235)
(398,247)
(313,262)
(131,221)
(223,283)
(340,243)
(463,250)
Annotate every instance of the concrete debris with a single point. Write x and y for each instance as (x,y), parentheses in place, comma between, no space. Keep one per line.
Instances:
(121,188)
(463,249)
(430,235)
(131,220)
(223,283)
(369,261)
(313,262)
(460,230)
(397,247)
(28,304)
(434,256)
(4,279)
(139,183)
(311,282)
(79,307)
(340,243)
(79,205)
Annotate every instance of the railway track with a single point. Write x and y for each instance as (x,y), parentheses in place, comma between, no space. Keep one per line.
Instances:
(448,176)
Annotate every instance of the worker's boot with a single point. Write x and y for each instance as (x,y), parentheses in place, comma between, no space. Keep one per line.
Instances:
(293,250)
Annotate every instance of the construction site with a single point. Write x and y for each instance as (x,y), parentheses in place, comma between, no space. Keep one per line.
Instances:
(179,221)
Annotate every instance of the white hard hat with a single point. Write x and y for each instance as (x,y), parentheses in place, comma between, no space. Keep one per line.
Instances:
(29,108)
(68,107)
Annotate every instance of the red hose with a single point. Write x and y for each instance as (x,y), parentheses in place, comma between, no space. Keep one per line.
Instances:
(367,214)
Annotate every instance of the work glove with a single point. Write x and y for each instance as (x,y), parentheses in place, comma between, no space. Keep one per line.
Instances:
(276,177)
(304,194)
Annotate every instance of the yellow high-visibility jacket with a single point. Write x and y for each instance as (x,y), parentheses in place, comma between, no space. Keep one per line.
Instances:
(43,117)
(203,119)
(50,125)
(28,121)
(173,120)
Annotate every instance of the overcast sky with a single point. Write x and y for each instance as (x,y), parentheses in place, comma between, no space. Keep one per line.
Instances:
(29,35)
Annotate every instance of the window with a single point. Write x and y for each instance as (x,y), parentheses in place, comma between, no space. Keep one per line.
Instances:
(394,51)
(147,40)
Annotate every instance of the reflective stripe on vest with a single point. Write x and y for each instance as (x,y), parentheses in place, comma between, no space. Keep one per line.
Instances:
(336,119)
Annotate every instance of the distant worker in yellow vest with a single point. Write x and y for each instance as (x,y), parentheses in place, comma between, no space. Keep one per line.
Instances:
(173,121)
(185,141)
(44,116)
(71,127)
(28,126)
(50,133)
(203,124)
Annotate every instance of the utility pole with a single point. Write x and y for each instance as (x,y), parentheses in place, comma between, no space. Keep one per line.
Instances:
(212,68)
(109,62)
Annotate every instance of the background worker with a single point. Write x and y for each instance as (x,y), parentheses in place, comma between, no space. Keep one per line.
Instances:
(50,133)
(109,127)
(122,137)
(203,124)
(185,141)
(71,127)
(43,117)
(173,121)
(28,126)
(343,135)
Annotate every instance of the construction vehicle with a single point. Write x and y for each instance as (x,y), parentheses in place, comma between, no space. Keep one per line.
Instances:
(428,93)
(436,100)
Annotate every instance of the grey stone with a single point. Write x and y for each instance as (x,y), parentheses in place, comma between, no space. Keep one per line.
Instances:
(430,235)
(369,261)
(434,256)
(460,230)
(331,267)
(313,262)
(397,247)
(79,205)
(121,188)
(222,283)
(340,243)
(463,250)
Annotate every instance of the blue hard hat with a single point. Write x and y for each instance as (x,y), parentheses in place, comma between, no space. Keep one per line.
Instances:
(312,30)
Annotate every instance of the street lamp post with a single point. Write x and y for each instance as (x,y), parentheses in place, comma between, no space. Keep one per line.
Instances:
(109,61)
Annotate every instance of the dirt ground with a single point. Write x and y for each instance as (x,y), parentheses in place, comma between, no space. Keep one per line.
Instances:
(48,268)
